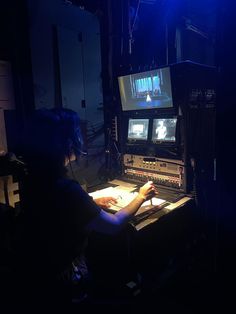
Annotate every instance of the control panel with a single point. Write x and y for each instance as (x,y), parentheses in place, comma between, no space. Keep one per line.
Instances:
(166,172)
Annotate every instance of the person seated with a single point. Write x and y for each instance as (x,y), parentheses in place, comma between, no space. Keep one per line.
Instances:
(59,214)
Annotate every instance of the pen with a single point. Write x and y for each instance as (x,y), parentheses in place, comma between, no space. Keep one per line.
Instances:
(150,199)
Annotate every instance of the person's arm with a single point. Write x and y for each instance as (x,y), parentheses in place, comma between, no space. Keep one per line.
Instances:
(112,223)
(105,202)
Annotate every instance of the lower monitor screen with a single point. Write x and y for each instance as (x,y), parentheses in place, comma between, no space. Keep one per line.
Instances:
(138,129)
(164,130)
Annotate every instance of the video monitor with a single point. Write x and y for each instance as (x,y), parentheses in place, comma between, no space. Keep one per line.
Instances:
(146,90)
(138,129)
(164,130)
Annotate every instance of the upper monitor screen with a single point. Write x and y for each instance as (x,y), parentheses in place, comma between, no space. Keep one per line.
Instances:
(138,129)
(146,90)
(164,130)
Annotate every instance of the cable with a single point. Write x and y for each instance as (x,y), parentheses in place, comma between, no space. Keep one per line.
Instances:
(131,28)
(135,18)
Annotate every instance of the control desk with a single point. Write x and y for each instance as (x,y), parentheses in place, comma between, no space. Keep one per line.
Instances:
(124,192)
(154,237)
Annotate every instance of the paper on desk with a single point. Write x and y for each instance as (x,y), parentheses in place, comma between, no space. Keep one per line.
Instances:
(124,194)
(124,188)
(128,197)
(148,205)
(101,193)
(178,203)
(124,197)
(123,183)
(155,201)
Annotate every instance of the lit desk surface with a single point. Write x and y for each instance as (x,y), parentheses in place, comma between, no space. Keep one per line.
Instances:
(125,194)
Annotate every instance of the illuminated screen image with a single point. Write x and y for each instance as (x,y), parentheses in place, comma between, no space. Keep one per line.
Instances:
(164,130)
(146,90)
(138,129)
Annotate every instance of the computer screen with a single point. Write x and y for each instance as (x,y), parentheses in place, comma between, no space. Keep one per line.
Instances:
(146,90)
(138,129)
(164,130)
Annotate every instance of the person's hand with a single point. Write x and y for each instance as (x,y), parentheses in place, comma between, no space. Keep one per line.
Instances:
(105,202)
(148,191)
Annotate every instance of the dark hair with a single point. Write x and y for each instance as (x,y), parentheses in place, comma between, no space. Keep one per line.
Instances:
(51,136)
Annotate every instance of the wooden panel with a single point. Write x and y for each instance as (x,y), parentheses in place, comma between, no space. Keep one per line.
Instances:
(3,139)
(2,192)
(9,194)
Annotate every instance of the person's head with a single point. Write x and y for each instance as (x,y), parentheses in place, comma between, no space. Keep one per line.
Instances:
(161,123)
(53,139)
